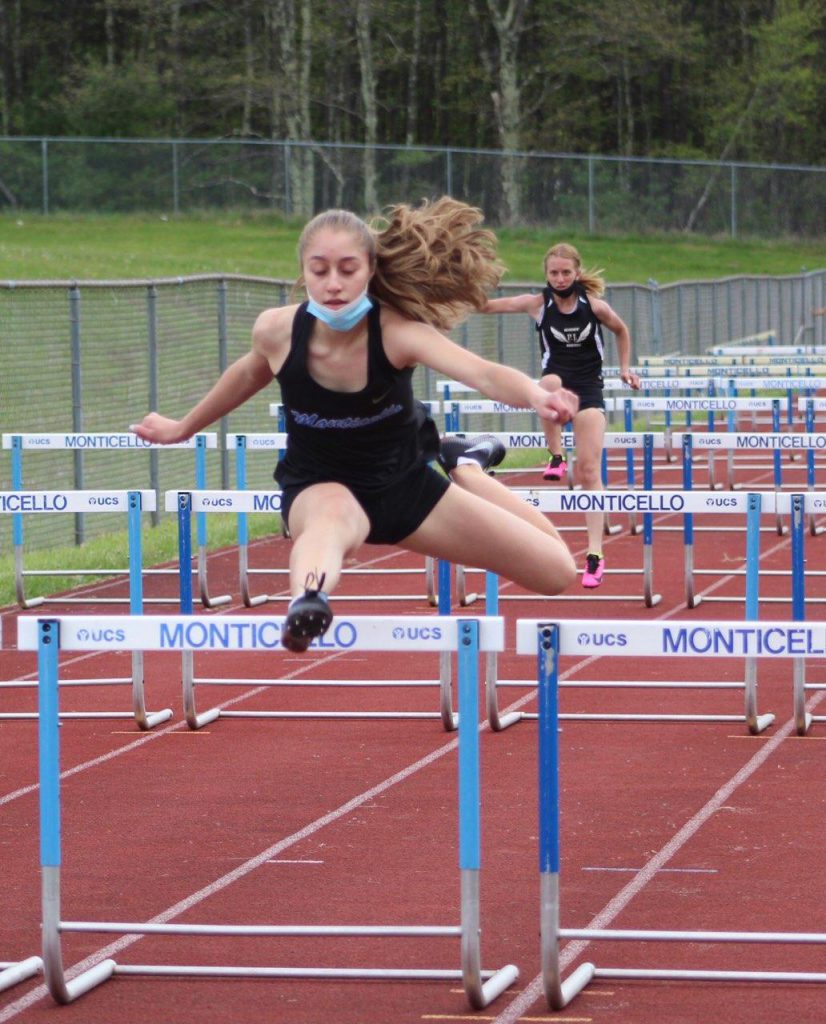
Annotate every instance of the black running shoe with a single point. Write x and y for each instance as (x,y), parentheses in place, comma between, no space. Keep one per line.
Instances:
(308,616)
(485,450)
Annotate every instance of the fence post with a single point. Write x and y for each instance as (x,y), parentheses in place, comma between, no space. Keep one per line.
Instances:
(176,183)
(44,174)
(656,326)
(77,399)
(152,338)
(733,201)
(222,365)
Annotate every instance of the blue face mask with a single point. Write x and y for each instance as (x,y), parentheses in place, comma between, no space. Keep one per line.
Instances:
(343,319)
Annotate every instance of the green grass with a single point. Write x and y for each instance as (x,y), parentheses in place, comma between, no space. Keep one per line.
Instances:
(160,545)
(64,247)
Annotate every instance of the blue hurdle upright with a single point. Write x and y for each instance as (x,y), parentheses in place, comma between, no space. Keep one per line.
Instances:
(546,641)
(133,503)
(188,503)
(466,638)
(799,506)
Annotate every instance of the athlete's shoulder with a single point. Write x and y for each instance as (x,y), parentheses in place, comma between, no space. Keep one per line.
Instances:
(273,328)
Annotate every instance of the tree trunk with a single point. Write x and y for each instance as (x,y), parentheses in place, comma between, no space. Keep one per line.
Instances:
(507,100)
(249,75)
(290,97)
(368,98)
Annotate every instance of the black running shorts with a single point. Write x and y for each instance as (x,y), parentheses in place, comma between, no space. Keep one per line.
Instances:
(590,395)
(395,511)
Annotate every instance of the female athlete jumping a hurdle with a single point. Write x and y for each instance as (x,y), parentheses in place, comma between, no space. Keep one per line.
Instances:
(358,462)
(569,316)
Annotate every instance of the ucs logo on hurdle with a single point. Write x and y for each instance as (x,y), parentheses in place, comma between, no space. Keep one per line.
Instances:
(417,633)
(102,635)
(602,640)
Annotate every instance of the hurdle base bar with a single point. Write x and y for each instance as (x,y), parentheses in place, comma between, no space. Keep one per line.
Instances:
(498,722)
(196,720)
(14,973)
(144,719)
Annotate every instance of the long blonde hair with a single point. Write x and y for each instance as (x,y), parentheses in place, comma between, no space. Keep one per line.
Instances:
(431,262)
(591,280)
(434,262)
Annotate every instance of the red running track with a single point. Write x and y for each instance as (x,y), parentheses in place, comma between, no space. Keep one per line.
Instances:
(672,825)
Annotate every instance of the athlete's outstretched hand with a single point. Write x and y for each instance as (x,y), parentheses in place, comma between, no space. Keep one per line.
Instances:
(558,404)
(159,429)
(631,379)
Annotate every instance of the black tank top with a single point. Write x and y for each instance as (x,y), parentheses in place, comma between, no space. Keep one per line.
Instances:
(365,439)
(571,343)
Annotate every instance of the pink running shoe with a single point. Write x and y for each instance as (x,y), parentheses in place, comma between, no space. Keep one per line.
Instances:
(594,568)
(556,469)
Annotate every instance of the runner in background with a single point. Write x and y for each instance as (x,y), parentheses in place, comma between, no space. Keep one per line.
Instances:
(570,316)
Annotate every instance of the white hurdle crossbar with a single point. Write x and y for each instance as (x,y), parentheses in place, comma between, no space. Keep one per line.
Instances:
(546,641)
(78,444)
(133,503)
(466,638)
(685,503)
(241,445)
(189,502)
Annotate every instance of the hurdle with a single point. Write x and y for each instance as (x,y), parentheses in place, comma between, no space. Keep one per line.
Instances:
(685,503)
(774,443)
(133,503)
(465,638)
(546,641)
(732,406)
(241,444)
(188,502)
(770,379)
(629,441)
(78,444)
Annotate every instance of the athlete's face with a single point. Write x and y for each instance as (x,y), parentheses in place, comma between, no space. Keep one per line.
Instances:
(336,268)
(561,272)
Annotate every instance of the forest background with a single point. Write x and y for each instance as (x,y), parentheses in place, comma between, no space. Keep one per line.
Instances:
(731,80)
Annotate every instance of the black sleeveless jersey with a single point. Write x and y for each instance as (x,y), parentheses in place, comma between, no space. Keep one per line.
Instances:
(571,344)
(364,439)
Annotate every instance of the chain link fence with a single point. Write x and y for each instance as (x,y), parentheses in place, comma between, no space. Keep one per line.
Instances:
(94,357)
(574,192)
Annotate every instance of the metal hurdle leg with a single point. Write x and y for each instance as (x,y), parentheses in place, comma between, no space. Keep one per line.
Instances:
(559,993)
(803,719)
(481,987)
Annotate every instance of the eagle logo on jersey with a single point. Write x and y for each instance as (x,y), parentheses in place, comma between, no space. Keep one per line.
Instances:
(572,339)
